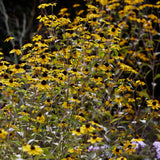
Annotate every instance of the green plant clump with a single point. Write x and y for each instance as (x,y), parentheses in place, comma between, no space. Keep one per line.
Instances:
(79,89)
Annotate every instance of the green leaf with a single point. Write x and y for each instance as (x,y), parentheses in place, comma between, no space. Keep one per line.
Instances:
(116,119)
(144,94)
(157,76)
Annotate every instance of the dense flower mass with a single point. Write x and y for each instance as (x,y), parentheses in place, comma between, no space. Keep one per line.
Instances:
(84,88)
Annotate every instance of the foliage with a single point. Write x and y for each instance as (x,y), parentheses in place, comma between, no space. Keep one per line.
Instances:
(79,90)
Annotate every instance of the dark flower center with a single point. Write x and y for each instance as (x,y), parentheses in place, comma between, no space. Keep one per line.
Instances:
(5,76)
(117,150)
(43,82)
(81,114)
(78,130)
(74,70)
(96,77)
(1,64)
(94,137)
(87,125)
(64,72)
(17,66)
(32,147)
(11,80)
(154,103)
(101,34)
(106,64)
(113,29)
(75,97)
(39,115)
(0,131)
(43,56)
(44,74)
(116,26)
(54,67)
(16,46)
(96,65)
(129,146)
(48,100)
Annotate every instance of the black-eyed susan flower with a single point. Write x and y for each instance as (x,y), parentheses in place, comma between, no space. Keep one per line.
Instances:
(95,139)
(153,103)
(80,117)
(114,30)
(74,99)
(87,128)
(129,147)
(44,58)
(12,83)
(3,133)
(43,85)
(16,68)
(3,65)
(77,132)
(36,38)
(40,118)
(27,45)
(48,102)
(117,151)
(17,51)
(32,149)
(62,124)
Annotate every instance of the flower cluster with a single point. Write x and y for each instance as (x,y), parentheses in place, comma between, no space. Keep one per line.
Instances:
(156,146)
(79,89)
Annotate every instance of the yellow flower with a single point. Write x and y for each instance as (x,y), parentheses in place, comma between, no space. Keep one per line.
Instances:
(3,133)
(77,132)
(87,128)
(95,139)
(43,5)
(36,38)
(62,124)
(117,151)
(76,5)
(41,118)
(32,149)
(43,85)
(129,148)
(27,45)
(17,51)
(80,118)
(154,104)
(16,68)
(48,102)
(137,139)
(114,30)
(12,83)
(71,150)
(3,65)
(8,39)
(103,2)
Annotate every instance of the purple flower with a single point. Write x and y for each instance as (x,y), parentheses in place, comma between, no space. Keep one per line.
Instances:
(139,144)
(158,154)
(156,144)
(96,148)
(90,148)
